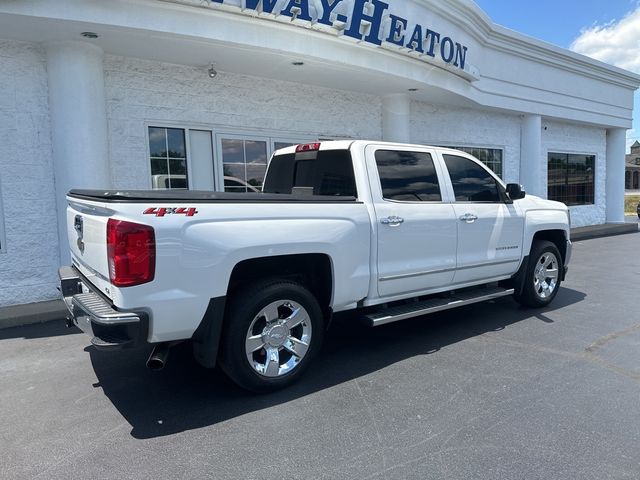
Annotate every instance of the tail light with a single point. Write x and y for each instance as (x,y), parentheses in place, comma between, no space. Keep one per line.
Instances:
(131,253)
(308,147)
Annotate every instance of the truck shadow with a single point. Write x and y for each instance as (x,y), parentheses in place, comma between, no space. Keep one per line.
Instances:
(185,396)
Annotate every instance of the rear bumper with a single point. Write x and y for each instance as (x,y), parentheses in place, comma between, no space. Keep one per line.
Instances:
(109,328)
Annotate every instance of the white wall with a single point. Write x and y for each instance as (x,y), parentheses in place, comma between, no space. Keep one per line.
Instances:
(28,269)
(571,138)
(141,92)
(458,126)
(435,125)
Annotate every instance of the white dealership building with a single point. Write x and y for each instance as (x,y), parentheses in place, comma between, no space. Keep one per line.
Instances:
(138,94)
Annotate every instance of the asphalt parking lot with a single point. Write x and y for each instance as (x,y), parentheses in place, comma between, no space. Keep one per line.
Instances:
(492,391)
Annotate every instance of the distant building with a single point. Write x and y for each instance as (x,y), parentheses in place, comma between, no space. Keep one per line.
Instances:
(632,168)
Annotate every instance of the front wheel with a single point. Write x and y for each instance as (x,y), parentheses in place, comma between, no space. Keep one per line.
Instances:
(542,278)
(272,331)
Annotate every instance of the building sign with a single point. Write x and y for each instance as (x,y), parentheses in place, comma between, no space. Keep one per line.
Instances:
(370,21)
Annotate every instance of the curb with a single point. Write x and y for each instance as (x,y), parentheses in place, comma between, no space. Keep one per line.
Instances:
(32,313)
(607,230)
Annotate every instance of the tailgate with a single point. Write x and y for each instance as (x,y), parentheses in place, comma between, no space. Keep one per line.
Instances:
(87,233)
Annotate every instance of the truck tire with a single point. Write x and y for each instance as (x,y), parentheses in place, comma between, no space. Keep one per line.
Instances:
(272,330)
(542,277)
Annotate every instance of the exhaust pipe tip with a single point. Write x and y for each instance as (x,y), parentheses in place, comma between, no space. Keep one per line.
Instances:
(158,357)
(155,364)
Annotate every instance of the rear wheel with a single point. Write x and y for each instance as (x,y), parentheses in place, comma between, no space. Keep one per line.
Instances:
(272,331)
(542,278)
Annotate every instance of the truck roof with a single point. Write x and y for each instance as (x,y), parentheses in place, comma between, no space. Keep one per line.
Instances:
(347,144)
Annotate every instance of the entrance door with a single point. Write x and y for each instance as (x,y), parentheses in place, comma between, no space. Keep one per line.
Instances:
(243,162)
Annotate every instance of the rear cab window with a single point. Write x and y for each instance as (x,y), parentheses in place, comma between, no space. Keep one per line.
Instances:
(407,176)
(323,172)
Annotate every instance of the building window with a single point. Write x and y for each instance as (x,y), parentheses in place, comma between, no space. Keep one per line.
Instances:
(571,178)
(168,156)
(244,164)
(278,144)
(245,158)
(202,159)
(491,157)
(627,180)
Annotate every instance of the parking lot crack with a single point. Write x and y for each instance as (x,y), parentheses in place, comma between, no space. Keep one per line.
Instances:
(372,416)
(586,355)
(74,453)
(612,336)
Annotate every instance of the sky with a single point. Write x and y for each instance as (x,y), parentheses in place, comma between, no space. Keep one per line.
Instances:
(608,30)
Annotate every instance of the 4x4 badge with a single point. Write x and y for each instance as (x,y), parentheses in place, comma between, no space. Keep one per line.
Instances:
(161,212)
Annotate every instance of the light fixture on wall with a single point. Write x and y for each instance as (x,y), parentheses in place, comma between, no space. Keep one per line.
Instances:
(212,72)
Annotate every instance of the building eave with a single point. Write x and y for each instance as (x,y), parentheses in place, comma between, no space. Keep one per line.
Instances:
(480,26)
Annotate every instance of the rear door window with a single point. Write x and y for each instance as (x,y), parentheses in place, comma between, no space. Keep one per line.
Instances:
(407,176)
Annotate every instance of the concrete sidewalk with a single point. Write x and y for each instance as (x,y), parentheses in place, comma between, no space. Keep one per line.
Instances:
(17,315)
(40,312)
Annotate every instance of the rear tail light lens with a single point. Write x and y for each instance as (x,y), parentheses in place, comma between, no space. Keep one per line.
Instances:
(131,253)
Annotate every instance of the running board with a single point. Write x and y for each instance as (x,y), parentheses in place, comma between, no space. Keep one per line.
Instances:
(395,314)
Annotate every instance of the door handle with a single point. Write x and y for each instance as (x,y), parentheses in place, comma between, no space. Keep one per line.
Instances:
(468,217)
(392,221)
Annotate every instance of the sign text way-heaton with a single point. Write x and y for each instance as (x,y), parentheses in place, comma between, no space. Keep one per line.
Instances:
(365,22)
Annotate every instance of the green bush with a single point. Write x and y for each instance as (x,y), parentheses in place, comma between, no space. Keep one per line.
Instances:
(630,204)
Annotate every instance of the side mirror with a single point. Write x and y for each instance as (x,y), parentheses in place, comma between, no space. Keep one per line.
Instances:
(515,191)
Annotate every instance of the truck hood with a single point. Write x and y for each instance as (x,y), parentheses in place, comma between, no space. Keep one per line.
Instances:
(531,202)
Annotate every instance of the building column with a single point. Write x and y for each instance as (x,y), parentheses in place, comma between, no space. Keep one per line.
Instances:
(616,147)
(78,124)
(531,161)
(396,118)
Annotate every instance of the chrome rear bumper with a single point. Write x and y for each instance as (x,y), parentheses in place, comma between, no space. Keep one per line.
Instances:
(109,328)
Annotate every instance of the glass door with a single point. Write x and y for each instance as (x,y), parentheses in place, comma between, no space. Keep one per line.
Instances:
(244,162)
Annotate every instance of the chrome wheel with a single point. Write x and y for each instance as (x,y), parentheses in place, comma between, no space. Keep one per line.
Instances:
(545,275)
(278,338)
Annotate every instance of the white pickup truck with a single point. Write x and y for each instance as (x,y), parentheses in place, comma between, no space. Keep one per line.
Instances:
(252,280)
